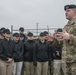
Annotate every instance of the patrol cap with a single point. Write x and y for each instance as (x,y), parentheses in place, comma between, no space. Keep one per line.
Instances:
(2,28)
(42,34)
(21,29)
(30,34)
(1,33)
(72,6)
(59,30)
(7,31)
(21,35)
(45,32)
(16,35)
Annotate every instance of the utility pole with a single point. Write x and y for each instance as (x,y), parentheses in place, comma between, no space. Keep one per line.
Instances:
(37,28)
(11,31)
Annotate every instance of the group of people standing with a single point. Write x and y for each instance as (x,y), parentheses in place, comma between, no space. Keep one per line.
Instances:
(24,55)
(27,56)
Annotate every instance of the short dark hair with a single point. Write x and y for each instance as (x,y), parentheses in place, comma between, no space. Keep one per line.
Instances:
(59,30)
(21,29)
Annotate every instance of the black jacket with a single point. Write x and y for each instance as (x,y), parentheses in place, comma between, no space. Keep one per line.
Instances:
(54,50)
(28,50)
(56,47)
(42,52)
(7,49)
(19,51)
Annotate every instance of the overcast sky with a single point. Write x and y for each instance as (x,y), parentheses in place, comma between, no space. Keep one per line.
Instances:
(26,13)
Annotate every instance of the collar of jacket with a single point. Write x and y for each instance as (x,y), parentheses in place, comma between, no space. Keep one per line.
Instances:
(7,40)
(17,42)
(41,42)
(72,22)
(31,41)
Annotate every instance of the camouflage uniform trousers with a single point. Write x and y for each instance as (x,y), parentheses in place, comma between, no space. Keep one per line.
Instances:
(71,68)
(59,67)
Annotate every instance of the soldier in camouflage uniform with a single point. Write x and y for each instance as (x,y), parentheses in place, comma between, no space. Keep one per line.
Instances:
(69,39)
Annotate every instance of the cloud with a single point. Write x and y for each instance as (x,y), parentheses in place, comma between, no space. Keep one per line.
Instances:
(27,13)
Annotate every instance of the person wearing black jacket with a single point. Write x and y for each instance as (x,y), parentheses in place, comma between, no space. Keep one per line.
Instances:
(21,31)
(57,53)
(28,54)
(42,55)
(1,35)
(22,38)
(18,59)
(7,53)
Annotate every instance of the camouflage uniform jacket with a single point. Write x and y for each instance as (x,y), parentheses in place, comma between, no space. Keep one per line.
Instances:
(69,46)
